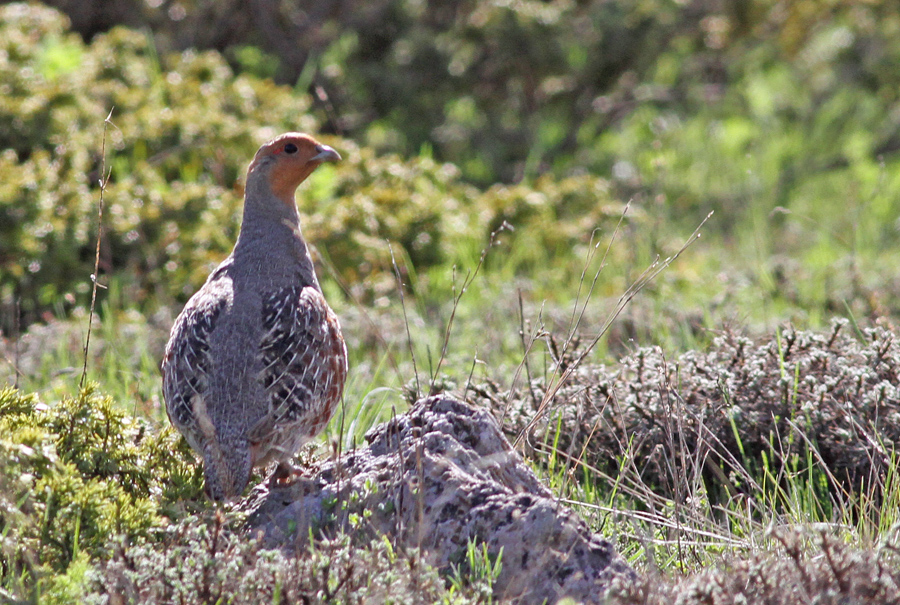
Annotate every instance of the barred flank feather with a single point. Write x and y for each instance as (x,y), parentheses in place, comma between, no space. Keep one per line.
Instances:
(304,363)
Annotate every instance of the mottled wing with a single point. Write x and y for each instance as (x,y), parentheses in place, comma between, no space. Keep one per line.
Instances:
(304,368)
(187,362)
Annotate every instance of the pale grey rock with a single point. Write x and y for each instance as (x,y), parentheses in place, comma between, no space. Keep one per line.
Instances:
(434,478)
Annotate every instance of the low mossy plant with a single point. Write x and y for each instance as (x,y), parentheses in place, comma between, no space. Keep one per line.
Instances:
(806,567)
(79,472)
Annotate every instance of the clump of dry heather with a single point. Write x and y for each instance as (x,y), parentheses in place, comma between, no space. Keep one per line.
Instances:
(729,415)
(810,569)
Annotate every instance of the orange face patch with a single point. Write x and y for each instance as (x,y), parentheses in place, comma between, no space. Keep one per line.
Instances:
(286,175)
(293,162)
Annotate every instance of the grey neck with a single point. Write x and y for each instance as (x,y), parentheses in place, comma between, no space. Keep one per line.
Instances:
(271,242)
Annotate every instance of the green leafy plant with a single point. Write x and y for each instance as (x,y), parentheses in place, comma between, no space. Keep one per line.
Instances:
(80,471)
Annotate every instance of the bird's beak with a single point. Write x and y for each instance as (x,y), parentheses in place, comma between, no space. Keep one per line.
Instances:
(324,153)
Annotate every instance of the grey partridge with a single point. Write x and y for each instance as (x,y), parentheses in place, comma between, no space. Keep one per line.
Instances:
(256,363)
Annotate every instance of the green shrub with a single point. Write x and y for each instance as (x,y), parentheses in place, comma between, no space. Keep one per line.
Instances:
(76,473)
(554,218)
(420,207)
(183,130)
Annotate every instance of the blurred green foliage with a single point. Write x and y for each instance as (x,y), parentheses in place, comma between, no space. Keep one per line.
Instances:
(506,89)
(180,137)
(182,130)
(783,117)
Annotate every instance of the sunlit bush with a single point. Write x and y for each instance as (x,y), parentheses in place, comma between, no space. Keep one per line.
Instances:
(78,472)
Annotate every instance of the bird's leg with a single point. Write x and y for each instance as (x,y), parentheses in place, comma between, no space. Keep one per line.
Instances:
(287,473)
(284,474)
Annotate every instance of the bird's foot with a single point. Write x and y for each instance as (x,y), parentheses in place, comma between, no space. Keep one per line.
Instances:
(285,474)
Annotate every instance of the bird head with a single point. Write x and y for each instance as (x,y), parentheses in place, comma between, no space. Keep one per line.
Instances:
(285,162)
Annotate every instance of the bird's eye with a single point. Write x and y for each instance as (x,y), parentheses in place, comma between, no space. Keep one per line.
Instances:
(290,148)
